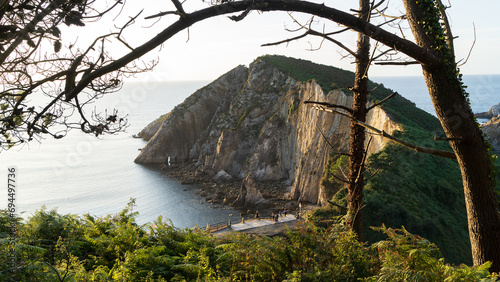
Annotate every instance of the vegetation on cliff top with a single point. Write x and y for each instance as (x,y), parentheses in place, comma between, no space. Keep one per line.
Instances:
(423,193)
(330,78)
(54,247)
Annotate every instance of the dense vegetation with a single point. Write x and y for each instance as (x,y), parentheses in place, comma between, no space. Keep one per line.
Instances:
(54,247)
(410,194)
(423,193)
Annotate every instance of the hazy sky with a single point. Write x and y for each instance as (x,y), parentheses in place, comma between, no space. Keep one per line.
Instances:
(217,45)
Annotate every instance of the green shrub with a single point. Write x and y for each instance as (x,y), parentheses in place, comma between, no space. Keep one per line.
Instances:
(113,248)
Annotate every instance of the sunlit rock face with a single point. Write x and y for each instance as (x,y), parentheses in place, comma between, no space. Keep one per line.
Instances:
(178,132)
(492,131)
(253,121)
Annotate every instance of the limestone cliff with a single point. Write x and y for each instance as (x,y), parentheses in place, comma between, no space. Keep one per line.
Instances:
(254,121)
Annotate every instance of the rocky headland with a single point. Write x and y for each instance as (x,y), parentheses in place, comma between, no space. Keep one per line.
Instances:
(251,129)
(250,142)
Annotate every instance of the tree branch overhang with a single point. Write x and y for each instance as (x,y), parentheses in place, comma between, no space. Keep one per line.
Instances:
(409,48)
(416,148)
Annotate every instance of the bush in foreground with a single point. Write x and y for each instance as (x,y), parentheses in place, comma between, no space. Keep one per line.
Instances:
(54,247)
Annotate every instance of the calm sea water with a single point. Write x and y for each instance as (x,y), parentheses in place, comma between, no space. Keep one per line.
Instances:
(81,174)
(484,90)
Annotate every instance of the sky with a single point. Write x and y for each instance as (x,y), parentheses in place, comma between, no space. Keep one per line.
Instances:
(215,46)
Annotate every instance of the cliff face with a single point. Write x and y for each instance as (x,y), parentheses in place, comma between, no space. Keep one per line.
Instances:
(253,121)
(150,130)
(182,127)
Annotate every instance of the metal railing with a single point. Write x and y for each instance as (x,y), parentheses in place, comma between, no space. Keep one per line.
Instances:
(217,226)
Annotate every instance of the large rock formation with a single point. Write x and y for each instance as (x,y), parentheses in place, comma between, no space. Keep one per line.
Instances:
(253,121)
(492,131)
(492,112)
(150,130)
(492,127)
(184,126)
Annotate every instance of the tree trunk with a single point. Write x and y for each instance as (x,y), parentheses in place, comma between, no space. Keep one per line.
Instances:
(456,117)
(476,168)
(357,132)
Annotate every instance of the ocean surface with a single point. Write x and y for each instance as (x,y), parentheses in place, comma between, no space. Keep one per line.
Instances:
(484,90)
(82,174)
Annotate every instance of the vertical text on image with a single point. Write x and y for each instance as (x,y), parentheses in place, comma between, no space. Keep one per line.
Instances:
(12,181)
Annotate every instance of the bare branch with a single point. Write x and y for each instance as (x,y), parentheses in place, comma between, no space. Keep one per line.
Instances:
(337,205)
(312,32)
(161,14)
(338,178)
(328,105)
(381,102)
(402,17)
(472,47)
(343,173)
(365,155)
(285,40)
(179,7)
(130,22)
(373,175)
(242,15)
(330,144)
(397,63)
(440,153)
(100,14)
(393,41)
(375,6)
(447,139)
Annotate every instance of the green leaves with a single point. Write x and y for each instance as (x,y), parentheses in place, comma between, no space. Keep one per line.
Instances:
(57,46)
(74,18)
(114,248)
(407,257)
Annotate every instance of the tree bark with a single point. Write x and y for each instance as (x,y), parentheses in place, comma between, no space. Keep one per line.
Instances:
(357,133)
(456,117)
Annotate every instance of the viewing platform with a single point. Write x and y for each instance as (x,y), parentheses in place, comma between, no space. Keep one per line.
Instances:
(265,226)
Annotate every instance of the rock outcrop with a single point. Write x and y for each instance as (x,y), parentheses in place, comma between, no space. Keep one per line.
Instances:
(253,121)
(492,112)
(492,128)
(150,130)
(249,195)
(492,131)
(184,126)
(222,177)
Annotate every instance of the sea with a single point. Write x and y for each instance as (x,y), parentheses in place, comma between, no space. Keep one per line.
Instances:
(82,174)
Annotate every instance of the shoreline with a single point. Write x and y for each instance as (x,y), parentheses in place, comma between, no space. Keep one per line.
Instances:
(223,195)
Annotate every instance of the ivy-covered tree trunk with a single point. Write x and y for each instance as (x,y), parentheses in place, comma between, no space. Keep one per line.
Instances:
(453,110)
(357,132)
